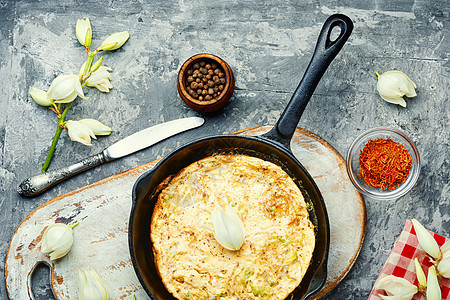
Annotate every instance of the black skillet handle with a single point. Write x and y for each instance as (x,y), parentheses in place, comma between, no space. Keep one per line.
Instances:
(326,50)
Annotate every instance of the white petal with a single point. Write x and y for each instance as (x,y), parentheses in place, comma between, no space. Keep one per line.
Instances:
(228,228)
(55,235)
(91,286)
(237,227)
(388,86)
(96,126)
(433,289)
(79,132)
(118,38)
(444,267)
(445,249)
(61,87)
(40,97)
(68,99)
(82,284)
(101,79)
(57,240)
(78,89)
(426,240)
(99,285)
(399,287)
(419,273)
(411,86)
(220,231)
(393,85)
(399,101)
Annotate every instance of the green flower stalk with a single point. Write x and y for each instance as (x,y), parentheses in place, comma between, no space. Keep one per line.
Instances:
(65,89)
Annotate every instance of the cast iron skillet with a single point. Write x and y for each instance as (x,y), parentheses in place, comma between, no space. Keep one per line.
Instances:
(273,146)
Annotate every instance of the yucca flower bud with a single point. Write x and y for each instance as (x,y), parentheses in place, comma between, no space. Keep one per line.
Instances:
(228,228)
(426,240)
(393,85)
(397,288)
(97,65)
(83,32)
(40,97)
(65,88)
(57,240)
(420,274)
(91,288)
(114,41)
(433,288)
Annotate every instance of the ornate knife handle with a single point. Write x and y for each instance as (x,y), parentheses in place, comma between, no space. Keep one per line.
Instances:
(37,184)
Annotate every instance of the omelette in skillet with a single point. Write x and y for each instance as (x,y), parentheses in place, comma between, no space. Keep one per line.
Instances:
(279,236)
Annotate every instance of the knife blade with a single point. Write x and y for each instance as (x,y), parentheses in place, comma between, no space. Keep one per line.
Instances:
(142,139)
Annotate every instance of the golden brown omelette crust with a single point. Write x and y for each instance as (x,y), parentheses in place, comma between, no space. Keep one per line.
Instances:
(279,239)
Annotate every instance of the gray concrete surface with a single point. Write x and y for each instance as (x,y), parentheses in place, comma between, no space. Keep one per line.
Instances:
(268,45)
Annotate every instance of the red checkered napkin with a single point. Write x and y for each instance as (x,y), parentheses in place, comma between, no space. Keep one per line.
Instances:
(400,262)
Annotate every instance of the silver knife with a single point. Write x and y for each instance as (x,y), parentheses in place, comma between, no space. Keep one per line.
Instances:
(135,142)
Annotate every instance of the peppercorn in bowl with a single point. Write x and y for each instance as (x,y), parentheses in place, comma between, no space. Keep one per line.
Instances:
(205,82)
(383,163)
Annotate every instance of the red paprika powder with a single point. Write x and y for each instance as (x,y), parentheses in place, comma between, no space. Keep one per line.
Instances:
(384,163)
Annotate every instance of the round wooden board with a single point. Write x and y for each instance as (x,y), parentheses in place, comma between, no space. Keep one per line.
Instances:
(101,238)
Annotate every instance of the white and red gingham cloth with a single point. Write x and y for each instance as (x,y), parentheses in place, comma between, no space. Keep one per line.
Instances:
(400,262)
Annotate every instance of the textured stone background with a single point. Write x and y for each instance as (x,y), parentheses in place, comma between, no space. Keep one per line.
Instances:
(268,45)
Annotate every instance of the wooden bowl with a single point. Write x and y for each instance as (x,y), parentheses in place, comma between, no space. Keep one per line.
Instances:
(205,105)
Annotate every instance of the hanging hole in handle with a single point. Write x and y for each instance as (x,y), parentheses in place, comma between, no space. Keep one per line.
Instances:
(39,282)
(335,33)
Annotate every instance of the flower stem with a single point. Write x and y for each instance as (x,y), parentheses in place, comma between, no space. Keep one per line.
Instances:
(62,116)
(89,63)
(59,129)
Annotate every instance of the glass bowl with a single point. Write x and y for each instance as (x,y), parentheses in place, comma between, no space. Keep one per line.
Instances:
(353,165)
